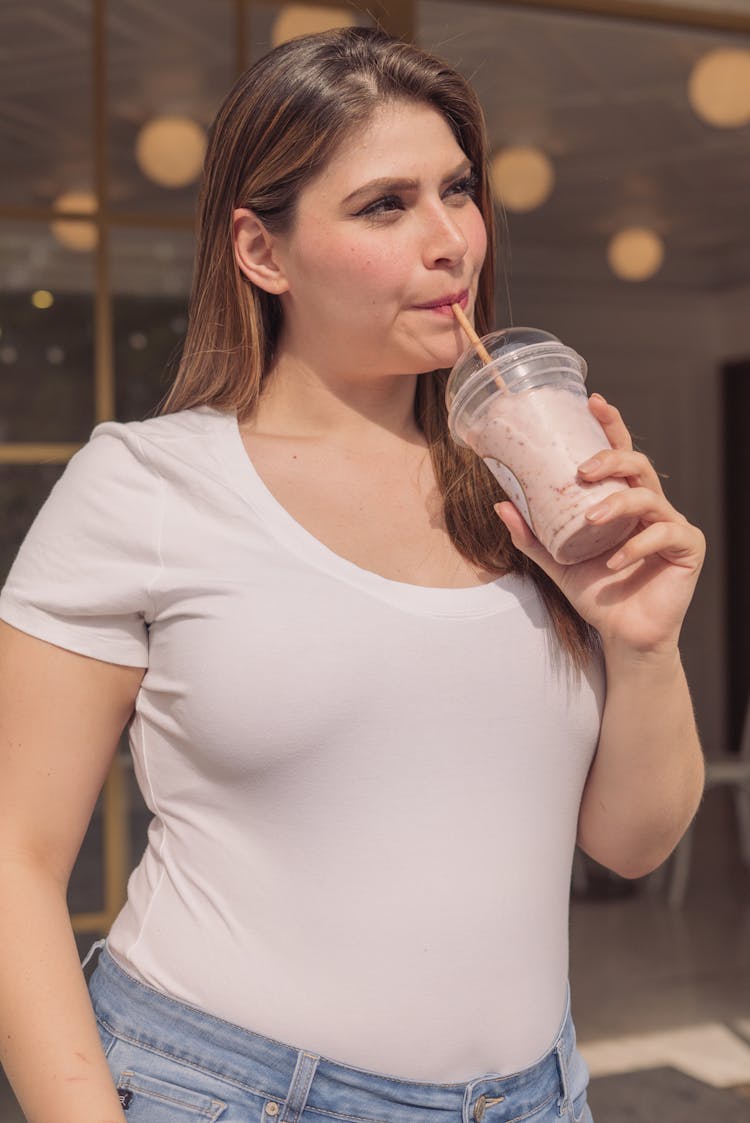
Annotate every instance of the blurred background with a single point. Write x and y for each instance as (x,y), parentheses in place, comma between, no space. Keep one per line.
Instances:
(620,135)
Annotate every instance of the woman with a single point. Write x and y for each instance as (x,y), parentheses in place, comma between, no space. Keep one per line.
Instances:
(367,729)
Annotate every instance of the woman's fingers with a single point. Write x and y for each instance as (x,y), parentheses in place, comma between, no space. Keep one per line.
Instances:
(665,533)
(679,544)
(611,421)
(519,530)
(637,502)
(524,539)
(634,467)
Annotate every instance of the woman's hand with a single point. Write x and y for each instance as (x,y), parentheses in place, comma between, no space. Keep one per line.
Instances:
(637,596)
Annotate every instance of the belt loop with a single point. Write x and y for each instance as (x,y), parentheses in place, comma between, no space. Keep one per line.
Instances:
(563,1070)
(300,1087)
(470,1088)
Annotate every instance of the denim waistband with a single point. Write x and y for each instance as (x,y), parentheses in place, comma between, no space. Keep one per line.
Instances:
(299,1078)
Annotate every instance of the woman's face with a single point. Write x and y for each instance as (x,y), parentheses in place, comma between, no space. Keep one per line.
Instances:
(387,230)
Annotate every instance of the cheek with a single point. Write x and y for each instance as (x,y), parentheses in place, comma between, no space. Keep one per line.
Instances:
(476,236)
(362,273)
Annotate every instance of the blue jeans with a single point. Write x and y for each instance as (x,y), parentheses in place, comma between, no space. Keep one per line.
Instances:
(172,1063)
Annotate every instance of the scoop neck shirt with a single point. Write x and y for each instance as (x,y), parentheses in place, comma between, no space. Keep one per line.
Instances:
(364,793)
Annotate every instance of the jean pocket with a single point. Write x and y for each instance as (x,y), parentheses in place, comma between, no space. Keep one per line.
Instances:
(545,1112)
(149,1099)
(106,1038)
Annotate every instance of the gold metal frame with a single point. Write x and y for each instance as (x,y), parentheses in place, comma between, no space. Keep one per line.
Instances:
(397,17)
(677,15)
(28,453)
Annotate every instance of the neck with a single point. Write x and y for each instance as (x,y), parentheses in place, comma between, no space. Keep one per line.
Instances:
(349,410)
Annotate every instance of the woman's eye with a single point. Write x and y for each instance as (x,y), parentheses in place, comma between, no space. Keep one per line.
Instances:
(466,186)
(381,206)
(391,204)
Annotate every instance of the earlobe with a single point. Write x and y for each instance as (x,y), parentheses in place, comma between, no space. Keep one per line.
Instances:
(254,251)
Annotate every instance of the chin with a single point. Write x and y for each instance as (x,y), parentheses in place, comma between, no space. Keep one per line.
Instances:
(430,366)
(440,358)
(425,361)
(443,361)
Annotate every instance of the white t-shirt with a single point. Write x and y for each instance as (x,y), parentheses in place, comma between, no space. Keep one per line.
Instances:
(364,793)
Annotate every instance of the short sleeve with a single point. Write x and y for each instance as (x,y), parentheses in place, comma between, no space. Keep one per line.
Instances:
(82,576)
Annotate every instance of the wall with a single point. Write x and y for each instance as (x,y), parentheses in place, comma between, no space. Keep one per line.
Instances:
(657,354)
(734,322)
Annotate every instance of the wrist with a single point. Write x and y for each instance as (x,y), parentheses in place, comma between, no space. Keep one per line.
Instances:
(660,660)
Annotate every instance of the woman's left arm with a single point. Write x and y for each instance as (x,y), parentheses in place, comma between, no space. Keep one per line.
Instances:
(646,780)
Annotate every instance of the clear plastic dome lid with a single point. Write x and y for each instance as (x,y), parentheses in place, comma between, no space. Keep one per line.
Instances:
(510,339)
(515,353)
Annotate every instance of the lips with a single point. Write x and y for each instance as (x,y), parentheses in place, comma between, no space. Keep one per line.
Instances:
(461,298)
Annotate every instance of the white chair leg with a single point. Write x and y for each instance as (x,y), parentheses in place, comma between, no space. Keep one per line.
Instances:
(680,871)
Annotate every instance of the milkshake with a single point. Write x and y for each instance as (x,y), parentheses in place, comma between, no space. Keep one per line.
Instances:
(526,414)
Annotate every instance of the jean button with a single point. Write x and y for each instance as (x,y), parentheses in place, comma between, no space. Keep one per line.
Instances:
(272,1109)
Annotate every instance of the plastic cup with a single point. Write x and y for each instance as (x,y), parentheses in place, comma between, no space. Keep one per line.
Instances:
(526,415)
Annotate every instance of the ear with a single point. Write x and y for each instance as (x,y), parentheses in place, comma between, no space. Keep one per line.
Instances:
(254,251)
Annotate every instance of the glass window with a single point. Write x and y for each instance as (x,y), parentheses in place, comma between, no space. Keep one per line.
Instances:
(45,101)
(46,336)
(23,489)
(168,67)
(151,273)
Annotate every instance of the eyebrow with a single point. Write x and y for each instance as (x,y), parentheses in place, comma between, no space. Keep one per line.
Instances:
(386,184)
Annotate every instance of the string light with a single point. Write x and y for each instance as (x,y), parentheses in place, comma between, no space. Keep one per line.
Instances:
(522,178)
(42,298)
(719,87)
(75,234)
(308,19)
(635,254)
(170,150)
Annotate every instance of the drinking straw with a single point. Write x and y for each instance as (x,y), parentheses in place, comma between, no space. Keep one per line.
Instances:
(479,347)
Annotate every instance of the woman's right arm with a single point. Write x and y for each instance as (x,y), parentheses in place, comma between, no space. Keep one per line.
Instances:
(61,717)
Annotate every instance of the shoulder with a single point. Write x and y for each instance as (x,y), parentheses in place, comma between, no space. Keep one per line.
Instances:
(169,429)
(132,449)
(118,476)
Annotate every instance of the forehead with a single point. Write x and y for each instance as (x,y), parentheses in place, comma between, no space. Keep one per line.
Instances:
(402,139)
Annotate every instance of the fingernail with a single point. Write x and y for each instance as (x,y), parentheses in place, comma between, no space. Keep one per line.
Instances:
(600,397)
(597,513)
(589,465)
(617,562)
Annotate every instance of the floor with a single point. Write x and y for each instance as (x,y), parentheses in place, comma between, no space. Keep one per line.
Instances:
(661,998)
(665,994)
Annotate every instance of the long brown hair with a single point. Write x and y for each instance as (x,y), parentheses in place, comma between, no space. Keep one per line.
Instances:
(275,131)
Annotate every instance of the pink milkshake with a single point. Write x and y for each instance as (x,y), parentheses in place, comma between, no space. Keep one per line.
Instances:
(526,415)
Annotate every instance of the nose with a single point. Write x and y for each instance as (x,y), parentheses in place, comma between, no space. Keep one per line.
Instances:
(445,243)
